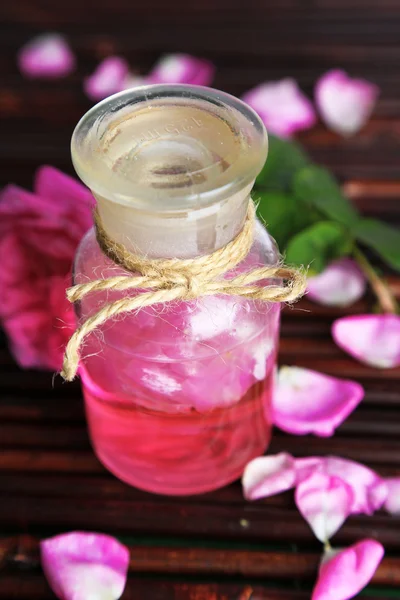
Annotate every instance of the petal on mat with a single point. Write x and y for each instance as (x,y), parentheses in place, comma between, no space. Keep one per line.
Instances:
(306,401)
(47,55)
(362,480)
(371,339)
(79,566)
(345,573)
(325,503)
(268,475)
(345,104)
(341,284)
(282,106)
(108,78)
(182,68)
(392,499)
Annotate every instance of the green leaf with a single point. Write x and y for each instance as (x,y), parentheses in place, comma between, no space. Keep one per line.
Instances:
(382,238)
(284,159)
(318,245)
(316,186)
(284,215)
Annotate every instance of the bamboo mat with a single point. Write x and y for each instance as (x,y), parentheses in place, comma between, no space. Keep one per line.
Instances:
(215,546)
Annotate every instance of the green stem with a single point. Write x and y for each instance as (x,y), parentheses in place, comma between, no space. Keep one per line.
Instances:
(381,290)
(327,546)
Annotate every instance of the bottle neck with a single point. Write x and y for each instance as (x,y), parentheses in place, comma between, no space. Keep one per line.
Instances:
(185,234)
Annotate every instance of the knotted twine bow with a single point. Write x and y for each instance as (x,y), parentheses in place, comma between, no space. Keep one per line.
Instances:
(177,279)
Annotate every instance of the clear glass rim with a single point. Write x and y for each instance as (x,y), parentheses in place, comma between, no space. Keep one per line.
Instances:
(91,121)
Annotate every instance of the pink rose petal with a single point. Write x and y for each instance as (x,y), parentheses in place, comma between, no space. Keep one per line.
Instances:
(341,284)
(372,339)
(392,496)
(325,502)
(182,68)
(79,566)
(305,401)
(46,56)
(348,571)
(282,106)
(360,478)
(345,104)
(268,475)
(62,190)
(39,234)
(108,78)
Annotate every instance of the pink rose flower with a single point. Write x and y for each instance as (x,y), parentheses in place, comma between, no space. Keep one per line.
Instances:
(39,233)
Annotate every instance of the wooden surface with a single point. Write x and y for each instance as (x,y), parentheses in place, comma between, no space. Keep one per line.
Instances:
(215,546)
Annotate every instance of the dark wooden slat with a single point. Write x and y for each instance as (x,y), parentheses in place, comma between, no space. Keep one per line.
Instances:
(339,12)
(248,523)
(344,367)
(73,486)
(368,450)
(43,410)
(46,460)
(34,587)
(50,479)
(44,436)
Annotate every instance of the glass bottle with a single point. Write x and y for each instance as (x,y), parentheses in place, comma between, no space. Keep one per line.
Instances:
(177,395)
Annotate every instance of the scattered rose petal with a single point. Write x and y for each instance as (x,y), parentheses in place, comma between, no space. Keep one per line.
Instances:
(182,68)
(371,339)
(132,81)
(360,478)
(305,401)
(378,493)
(341,284)
(345,104)
(46,56)
(79,566)
(282,106)
(345,573)
(325,503)
(392,496)
(268,475)
(39,234)
(109,77)
(307,466)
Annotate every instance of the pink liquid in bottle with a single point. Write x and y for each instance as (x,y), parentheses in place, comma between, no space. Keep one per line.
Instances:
(178,454)
(178,395)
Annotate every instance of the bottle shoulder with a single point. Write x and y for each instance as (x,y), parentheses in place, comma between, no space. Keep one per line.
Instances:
(91,263)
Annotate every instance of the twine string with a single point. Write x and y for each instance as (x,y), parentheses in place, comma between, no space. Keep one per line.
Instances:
(165,280)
